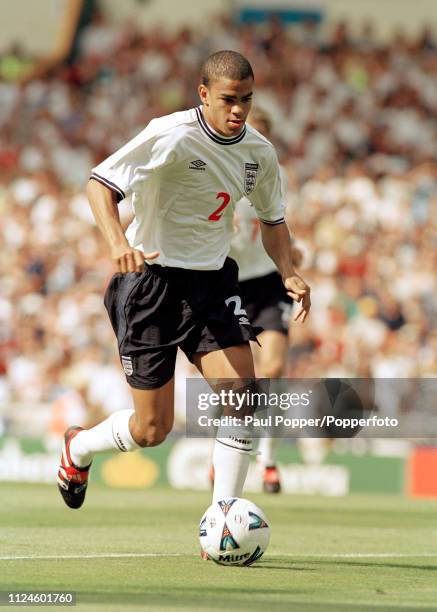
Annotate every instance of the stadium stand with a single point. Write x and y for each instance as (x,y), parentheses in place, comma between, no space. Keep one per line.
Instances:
(354,127)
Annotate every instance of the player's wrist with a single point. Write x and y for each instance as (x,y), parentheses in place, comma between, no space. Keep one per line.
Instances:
(287,272)
(118,248)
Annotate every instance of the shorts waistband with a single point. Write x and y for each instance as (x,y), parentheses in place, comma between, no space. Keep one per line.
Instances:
(170,271)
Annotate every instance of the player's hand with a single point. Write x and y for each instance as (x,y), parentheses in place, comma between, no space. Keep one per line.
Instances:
(300,292)
(128,259)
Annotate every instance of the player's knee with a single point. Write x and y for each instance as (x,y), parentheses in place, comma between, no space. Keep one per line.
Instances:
(149,434)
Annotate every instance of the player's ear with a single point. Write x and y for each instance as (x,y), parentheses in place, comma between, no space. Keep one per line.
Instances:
(204,94)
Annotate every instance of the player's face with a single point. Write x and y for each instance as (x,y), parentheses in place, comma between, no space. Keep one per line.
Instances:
(226,104)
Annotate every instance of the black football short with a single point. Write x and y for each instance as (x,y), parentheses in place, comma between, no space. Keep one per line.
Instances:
(267,303)
(156,311)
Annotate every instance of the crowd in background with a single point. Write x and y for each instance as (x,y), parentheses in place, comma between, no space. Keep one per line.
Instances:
(354,125)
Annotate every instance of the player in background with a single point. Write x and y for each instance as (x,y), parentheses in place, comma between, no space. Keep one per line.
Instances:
(265,300)
(175,285)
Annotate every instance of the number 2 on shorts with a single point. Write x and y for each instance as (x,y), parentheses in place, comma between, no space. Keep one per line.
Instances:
(218,213)
(238,310)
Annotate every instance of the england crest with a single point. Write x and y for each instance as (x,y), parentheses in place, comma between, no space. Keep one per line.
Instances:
(250,172)
(128,366)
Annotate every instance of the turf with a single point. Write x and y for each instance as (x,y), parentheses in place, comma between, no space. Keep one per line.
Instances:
(351,554)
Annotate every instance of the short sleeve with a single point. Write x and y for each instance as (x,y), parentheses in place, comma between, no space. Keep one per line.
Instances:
(268,197)
(148,152)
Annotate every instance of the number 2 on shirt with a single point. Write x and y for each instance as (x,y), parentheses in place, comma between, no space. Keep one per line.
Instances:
(218,213)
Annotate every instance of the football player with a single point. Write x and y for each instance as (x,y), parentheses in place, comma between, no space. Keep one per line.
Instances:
(175,285)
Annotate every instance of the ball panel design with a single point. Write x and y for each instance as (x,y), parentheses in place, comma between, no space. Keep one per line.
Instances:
(234,532)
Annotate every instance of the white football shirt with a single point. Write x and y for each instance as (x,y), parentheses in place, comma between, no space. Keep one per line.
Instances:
(185,179)
(246,247)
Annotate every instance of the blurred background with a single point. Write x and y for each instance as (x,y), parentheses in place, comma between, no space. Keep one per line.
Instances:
(352,91)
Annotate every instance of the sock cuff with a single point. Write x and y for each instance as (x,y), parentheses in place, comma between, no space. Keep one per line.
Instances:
(238,437)
(121,433)
(238,428)
(241,445)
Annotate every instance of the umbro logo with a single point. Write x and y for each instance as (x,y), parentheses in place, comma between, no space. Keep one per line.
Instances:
(197,164)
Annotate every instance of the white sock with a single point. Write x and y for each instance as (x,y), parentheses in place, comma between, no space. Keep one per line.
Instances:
(231,459)
(268,447)
(111,434)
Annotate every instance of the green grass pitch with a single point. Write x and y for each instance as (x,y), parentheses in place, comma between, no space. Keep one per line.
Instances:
(138,550)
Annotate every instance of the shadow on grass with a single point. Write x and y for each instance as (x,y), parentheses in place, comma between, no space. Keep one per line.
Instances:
(272,566)
(381,564)
(239,599)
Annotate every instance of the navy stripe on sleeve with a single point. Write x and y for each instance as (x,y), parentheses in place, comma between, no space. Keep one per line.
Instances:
(278,222)
(112,186)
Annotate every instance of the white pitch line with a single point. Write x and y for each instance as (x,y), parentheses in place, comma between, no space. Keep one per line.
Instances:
(290,555)
(91,556)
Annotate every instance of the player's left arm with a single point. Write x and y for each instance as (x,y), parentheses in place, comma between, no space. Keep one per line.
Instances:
(268,199)
(276,241)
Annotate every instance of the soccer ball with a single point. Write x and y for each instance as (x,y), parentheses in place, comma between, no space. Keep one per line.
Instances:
(234,532)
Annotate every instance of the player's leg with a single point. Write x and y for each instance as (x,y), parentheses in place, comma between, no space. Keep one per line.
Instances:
(151,379)
(123,431)
(270,359)
(136,304)
(231,454)
(126,430)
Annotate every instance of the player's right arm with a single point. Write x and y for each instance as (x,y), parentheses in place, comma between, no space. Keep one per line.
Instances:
(105,210)
(124,172)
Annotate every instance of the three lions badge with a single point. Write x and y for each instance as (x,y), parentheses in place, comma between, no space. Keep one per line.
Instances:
(250,172)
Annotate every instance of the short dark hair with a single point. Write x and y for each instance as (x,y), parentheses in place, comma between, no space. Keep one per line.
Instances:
(227,64)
